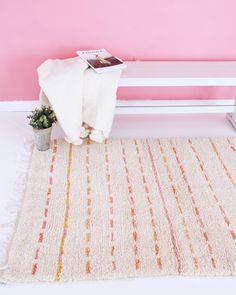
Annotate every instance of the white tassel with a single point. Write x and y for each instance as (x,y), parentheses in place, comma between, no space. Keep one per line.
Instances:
(97,136)
(9,217)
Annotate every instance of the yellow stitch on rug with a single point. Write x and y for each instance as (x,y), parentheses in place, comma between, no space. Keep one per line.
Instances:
(65,226)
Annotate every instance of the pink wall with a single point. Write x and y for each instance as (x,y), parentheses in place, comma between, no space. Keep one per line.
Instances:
(32,31)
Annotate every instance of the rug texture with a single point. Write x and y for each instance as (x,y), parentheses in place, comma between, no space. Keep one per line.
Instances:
(127,208)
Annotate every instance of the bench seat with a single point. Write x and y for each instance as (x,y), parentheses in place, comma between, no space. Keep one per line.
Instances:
(178,73)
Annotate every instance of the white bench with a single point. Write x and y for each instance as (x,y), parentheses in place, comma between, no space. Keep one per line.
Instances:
(178,73)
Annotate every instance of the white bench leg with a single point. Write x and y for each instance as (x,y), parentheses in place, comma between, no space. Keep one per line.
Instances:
(232,117)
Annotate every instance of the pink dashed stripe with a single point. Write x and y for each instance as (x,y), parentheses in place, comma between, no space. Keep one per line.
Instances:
(45,214)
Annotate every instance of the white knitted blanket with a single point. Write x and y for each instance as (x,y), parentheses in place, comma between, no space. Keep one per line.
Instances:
(79,95)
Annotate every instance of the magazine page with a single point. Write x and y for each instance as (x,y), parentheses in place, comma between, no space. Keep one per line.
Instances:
(101,60)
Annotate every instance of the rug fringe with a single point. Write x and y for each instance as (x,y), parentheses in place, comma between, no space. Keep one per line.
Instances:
(8,219)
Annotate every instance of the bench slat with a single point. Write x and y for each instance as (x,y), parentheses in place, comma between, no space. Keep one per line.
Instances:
(178,73)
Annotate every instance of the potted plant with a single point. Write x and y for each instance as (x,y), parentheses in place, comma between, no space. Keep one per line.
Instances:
(42,120)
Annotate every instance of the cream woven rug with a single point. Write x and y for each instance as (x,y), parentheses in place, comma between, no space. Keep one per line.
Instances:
(127,208)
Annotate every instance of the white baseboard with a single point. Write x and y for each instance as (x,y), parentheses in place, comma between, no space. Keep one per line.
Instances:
(143,106)
(18,105)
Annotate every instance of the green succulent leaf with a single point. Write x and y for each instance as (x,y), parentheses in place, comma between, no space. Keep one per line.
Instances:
(42,118)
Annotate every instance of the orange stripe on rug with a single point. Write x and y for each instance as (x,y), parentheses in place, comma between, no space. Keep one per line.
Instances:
(172,235)
(132,209)
(197,211)
(151,211)
(203,171)
(111,207)
(177,199)
(222,162)
(66,217)
(48,198)
(89,212)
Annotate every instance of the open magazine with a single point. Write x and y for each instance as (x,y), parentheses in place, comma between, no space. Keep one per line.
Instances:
(101,60)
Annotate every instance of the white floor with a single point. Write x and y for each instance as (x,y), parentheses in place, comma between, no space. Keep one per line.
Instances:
(13,132)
